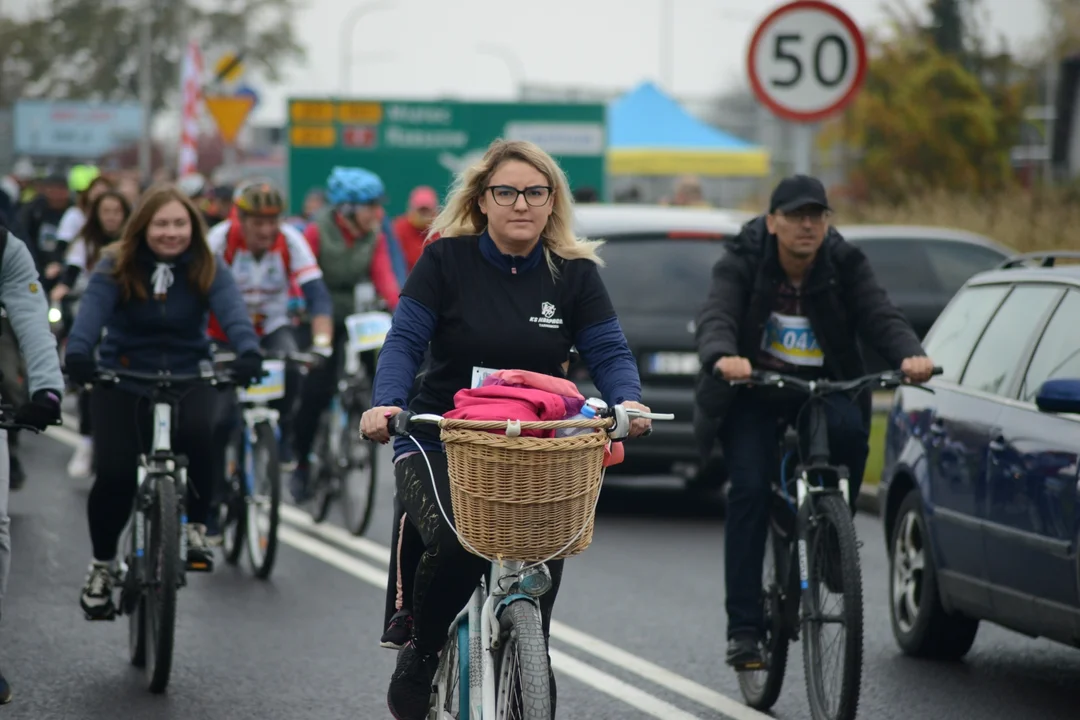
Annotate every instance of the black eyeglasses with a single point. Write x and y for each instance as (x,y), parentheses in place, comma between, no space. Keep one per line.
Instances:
(506,195)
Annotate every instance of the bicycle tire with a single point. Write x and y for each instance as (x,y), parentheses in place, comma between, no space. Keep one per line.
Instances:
(358,488)
(136,611)
(523,646)
(832,511)
(262,562)
(761,688)
(323,492)
(164,548)
(233,513)
(451,682)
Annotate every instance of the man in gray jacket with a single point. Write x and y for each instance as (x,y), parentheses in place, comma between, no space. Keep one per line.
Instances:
(27,309)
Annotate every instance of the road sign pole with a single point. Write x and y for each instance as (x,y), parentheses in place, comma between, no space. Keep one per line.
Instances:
(803,154)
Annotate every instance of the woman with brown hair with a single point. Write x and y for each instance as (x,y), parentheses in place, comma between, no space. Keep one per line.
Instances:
(106,219)
(152,291)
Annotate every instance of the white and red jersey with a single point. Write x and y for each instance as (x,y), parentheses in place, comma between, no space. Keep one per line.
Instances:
(264,282)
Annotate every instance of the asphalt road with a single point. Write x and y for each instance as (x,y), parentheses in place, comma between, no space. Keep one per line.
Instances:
(639,631)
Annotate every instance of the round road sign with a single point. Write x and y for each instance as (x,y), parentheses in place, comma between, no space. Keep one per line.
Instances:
(806,61)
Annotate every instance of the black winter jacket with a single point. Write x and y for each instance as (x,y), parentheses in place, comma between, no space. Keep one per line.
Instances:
(841,298)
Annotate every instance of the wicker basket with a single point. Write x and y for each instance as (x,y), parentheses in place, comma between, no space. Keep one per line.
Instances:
(524,498)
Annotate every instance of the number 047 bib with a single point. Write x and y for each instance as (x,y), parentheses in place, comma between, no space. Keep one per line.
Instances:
(792,340)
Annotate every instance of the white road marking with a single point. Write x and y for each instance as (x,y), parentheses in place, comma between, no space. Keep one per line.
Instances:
(318,548)
(602,681)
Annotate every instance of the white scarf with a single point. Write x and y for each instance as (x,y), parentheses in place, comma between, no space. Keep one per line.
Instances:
(162,279)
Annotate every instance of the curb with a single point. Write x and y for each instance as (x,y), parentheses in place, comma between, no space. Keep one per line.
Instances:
(868,501)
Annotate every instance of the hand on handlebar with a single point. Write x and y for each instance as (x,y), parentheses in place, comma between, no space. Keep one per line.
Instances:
(638,426)
(918,368)
(80,369)
(733,368)
(374,423)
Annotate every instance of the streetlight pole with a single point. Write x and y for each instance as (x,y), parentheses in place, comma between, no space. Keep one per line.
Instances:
(348,28)
(512,61)
(146,89)
(667,44)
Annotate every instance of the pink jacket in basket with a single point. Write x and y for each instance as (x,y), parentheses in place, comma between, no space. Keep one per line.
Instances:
(506,402)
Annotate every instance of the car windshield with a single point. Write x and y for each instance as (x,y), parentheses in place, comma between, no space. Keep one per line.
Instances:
(659,275)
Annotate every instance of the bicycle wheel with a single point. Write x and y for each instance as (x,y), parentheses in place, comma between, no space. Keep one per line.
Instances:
(452,678)
(232,511)
(264,502)
(359,476)
(833,569)
(133,603)
(163,555)
(523,689)
(761,688)
(322,474)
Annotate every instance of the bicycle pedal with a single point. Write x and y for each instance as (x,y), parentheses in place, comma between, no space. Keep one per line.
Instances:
(200,566)
(751,667)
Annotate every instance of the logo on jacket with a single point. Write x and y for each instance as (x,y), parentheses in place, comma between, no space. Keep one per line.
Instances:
(546,318)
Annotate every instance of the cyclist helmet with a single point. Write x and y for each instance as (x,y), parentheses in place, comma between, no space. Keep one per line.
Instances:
(192,184)
(80,177)
(353,186)
(259,197)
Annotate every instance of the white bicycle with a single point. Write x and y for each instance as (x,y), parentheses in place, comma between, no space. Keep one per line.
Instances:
(494,665)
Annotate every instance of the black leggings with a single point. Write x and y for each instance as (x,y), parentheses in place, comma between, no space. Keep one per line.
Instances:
(122,429)
(85,424)
(447,573)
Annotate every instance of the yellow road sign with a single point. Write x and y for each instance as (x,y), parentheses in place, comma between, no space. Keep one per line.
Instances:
(312,136)
(311,112)
(235,72)
(360,113)
(229,112)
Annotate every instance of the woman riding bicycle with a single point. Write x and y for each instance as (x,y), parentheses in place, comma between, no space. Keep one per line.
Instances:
(509,286)
(152,291)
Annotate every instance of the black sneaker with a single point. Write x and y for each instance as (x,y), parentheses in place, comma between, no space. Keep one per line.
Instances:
(96,599)
(398,631)
(5,691)
(409,696)
(744,652)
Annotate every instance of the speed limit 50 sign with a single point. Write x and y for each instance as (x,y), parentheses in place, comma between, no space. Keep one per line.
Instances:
(807,60)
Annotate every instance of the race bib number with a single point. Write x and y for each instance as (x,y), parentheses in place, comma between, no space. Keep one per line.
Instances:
(791,339)
(479,374)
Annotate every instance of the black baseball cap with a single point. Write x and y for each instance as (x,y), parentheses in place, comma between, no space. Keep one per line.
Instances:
(798,191)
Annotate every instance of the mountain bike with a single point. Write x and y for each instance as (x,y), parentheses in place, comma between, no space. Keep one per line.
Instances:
(343,467)
(156,565)
(251,507)
(807,535)
(495,662)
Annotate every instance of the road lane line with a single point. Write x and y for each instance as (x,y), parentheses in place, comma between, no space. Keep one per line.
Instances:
(597,679)
(616,688)
(327,533)
(334,534)
(656,674)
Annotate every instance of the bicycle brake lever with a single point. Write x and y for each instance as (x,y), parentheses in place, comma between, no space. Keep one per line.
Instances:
(621,429)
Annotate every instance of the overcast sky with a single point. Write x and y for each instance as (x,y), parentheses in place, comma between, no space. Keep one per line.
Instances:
(433,48)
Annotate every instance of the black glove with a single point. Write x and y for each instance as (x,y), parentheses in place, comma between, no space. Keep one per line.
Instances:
(42,411)
(81,369)
(247,369)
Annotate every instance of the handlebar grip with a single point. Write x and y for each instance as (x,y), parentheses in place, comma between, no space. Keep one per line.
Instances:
(938,370)
(399,424)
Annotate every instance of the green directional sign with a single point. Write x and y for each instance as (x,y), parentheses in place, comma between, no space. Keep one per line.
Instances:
(426,143)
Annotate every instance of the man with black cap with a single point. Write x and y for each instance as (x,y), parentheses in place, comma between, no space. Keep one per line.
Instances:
(789,295)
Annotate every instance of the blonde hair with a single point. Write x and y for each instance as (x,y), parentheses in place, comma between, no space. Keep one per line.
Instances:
(462,216)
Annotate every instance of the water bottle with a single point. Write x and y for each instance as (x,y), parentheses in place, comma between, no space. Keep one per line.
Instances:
(588,412)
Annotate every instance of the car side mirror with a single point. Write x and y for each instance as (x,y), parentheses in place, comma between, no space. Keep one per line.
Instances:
(1059,396)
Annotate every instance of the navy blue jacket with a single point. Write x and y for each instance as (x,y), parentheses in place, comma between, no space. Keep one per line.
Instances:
(154,335)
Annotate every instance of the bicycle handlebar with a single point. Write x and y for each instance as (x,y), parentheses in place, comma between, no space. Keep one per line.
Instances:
(886,380)
(8,411)
(289,356)
(161,379)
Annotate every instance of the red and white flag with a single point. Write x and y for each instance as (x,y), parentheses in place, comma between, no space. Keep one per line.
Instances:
(191,81)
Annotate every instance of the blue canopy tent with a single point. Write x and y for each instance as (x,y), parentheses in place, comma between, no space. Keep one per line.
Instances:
(651,134)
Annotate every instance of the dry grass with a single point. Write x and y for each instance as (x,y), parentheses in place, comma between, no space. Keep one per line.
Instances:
(1024,220)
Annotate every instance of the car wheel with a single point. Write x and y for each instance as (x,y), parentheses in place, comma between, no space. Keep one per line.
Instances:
(920,623)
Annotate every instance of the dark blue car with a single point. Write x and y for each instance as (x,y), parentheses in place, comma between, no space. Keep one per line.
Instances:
(980,483)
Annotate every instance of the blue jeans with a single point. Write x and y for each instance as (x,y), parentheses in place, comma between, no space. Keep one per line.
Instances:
(750,436)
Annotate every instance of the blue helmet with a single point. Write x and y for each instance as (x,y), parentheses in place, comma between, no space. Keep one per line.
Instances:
(354,186)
